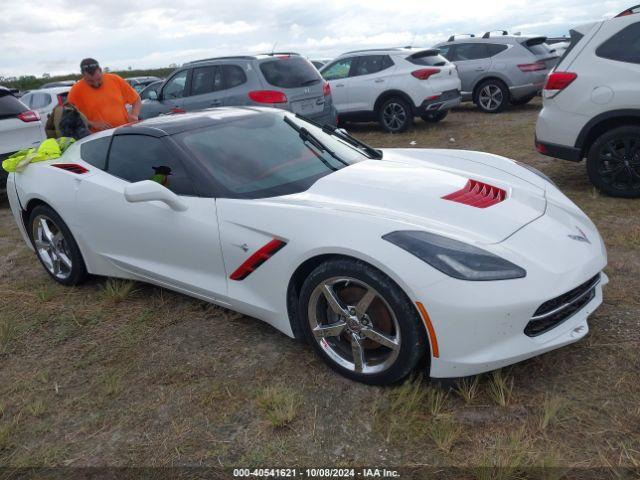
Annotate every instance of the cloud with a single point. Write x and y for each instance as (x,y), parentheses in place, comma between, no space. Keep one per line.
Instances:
(53,35)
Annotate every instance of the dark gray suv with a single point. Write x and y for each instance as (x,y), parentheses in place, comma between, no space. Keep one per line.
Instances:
(281,80)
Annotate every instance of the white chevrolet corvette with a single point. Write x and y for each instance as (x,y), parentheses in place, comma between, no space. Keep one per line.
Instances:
(460,262)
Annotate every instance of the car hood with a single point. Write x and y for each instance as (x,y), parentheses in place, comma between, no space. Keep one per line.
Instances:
(408,186)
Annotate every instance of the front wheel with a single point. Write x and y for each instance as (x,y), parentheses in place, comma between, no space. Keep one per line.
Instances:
(435,117)
(360,322)
(395,115)
(613,163)
(55,246)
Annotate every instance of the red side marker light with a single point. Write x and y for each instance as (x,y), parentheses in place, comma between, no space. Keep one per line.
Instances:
(71,167)
(257,259)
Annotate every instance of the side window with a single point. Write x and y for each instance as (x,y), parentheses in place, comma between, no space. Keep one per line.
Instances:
(233,76)
(371,64)
(139,157)
(496,48)
(27,99)
(470,51)
(95,152)
(446,51)
(175,88)
(206,80)
(337,70)
(40,100)
(624,46)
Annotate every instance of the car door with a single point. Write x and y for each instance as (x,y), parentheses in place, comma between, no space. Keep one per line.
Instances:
(370,76)
(171,98)
(207,88)
(150,240)
(472,61)
(337,74)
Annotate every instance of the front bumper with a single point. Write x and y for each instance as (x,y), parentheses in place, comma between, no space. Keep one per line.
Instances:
(482,326)
(445,101)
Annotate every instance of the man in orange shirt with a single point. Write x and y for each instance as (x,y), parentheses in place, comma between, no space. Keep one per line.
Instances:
(102,97)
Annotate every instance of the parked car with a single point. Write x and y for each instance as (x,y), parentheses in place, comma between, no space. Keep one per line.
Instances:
(319,63)
(558,45)
(139,83)
(591,105)
(460,262)
(61,83)
(498,70)
(44,100)
(145,94)
(282,80)
(392,86)
(19,128)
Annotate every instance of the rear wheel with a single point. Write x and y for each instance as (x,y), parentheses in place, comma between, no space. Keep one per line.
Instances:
(395,115)
(613,163)
(55,246)
(435,117)
(360,322)
(492,96)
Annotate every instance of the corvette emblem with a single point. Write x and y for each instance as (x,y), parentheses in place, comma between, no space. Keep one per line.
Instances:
(582,237)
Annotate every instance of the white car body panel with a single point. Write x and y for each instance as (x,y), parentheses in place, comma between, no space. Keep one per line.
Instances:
(478,325)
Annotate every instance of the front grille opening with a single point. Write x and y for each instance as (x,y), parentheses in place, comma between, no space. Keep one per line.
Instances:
(557,310)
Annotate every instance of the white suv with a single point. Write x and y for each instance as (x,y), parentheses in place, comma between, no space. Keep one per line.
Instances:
(592,104)
(19,128)
(392,86)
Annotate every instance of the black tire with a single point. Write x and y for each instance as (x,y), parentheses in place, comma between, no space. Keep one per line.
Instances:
(523,100)
(492,96)
(613,163)
(64,245)
(435,117)
(390,312)
(395,115)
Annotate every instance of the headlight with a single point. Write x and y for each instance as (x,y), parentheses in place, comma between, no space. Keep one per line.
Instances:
(454,258)
(536,171)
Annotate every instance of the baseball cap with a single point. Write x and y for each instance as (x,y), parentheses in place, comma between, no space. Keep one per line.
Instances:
(89,65)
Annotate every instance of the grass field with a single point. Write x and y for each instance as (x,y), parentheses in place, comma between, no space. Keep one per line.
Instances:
(126,374)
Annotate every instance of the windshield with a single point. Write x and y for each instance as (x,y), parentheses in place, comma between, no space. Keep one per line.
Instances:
(260,155)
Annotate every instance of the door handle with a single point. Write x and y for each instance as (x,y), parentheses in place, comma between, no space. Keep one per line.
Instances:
(216,103)
(379,80)
(339,84)
(480,69)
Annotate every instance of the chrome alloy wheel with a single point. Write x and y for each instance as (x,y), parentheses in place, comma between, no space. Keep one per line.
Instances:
(51,247)
(490,97)
(354,325)
(394,116)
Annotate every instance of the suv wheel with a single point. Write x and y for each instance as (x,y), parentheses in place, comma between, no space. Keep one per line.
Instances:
(395,115)
(492,96)
(613,163)
(435,117)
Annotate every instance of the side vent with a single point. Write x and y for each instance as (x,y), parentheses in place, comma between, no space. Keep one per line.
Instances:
(477,194)
(71,167)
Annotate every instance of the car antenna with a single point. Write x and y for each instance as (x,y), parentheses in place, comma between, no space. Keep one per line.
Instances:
(273,48)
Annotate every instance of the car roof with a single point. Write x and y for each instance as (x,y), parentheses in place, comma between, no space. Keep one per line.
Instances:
(166,125)
(488,38)
(259,56)
(51,90)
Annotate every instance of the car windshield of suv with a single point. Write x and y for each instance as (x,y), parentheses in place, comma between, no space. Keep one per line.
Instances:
(260,155)
(289,72)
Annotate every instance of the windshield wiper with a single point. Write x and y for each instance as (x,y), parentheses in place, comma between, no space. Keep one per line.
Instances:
(307,136)
(310,82)
(343,135)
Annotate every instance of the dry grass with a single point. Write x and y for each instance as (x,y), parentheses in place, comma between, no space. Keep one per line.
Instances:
(117,373)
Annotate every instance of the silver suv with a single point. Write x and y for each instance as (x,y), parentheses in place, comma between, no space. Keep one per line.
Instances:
(498,70)
(281,80)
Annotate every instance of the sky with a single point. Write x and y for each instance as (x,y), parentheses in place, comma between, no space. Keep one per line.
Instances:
(52,36)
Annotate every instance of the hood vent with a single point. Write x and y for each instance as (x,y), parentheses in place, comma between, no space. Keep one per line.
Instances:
(71,167)
(477,194)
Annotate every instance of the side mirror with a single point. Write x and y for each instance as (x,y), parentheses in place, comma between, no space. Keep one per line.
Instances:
(153,95)
(148,191)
